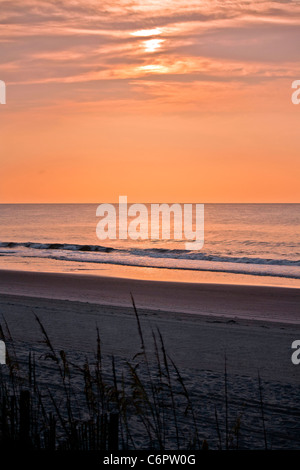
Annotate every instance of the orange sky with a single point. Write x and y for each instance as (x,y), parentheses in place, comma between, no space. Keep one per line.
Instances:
(169,100)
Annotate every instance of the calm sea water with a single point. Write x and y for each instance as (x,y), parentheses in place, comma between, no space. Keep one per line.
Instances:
(244,240)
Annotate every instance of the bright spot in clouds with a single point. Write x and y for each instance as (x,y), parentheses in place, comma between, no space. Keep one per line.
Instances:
(147,32)
(154,68)
(153,44)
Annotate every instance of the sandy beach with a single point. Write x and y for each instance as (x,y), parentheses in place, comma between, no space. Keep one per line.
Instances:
(271,304)
(255,326)
(199,324)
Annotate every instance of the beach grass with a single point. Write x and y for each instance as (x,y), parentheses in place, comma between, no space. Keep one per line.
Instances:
(100,405)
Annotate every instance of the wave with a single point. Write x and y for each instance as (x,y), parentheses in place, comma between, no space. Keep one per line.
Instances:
(158,253)
(56,246)
(253,270)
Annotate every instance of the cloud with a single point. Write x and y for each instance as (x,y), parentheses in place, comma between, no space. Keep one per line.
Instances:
(60,43)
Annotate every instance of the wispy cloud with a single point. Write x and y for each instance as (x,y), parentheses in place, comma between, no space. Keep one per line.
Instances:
(171,41)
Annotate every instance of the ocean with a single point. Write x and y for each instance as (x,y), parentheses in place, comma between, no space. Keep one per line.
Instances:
(243,243)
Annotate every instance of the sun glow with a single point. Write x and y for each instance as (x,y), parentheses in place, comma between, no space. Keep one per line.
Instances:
(152,45)
(171,98)
(146,32)
(153,68)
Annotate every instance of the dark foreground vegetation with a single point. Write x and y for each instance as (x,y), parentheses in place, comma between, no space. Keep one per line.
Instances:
(102,404)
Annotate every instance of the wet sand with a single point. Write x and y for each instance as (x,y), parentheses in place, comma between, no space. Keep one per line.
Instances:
(271,304)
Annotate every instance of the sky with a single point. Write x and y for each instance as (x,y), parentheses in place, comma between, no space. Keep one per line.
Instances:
(161,101)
